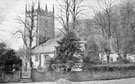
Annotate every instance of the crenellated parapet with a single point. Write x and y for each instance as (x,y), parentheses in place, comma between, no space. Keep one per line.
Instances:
(40,11)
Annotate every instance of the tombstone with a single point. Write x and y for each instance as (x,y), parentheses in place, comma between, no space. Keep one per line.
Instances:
(63,81)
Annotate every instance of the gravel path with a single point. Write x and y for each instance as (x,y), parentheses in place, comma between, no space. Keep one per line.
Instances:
(118,81)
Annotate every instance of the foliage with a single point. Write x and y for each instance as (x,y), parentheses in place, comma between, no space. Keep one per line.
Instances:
(91,56)
(127,24)
(51,64)
(21,53)
(116,24)
(111,67)
(9,62)
(2,50)
(123,61)
(68,50)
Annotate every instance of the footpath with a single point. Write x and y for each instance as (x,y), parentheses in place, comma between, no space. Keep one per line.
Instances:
(118,81)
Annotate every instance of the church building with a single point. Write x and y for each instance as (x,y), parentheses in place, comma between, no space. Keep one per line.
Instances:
(45,40)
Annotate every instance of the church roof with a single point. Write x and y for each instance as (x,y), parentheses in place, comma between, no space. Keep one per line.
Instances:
(47,47)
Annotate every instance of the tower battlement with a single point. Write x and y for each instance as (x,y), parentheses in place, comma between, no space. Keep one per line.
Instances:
(45,12)
(40,11)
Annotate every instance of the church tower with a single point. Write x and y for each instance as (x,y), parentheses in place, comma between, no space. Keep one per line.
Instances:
(43,23)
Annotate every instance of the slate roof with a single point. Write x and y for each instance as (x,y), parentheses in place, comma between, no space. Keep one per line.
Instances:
(47,47)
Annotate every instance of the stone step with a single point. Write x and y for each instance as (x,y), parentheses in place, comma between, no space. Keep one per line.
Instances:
(26,80)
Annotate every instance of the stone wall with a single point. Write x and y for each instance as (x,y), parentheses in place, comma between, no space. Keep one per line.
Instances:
(80,76)
(71,76)
(11,78)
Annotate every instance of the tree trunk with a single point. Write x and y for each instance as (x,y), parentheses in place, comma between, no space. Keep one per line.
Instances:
(124,56)
(39,61)
(119,56)
(108,57)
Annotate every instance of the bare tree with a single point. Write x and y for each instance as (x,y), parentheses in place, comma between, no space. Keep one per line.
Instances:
(104,21)
(2,18)
(29,32)
(127,25)
(76,9)
(69,13)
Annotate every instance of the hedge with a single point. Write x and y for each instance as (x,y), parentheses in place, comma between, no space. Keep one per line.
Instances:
(110,67)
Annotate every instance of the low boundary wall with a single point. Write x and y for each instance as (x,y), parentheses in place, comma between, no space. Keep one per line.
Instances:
(81,75)
(11,77)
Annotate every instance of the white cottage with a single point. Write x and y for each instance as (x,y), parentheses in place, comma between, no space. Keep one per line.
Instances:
(44,52)
(103,58)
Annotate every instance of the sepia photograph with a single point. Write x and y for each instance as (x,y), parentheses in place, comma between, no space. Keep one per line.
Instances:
(67,41)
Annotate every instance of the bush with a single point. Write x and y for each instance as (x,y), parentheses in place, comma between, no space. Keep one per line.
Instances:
(10,62)
(125,61)
(91,55)
(68,50)
(111,67)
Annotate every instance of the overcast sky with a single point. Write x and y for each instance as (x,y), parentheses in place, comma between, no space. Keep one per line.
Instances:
(11,8)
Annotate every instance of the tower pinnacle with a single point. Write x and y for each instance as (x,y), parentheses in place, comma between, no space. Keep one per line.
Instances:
(26,8)
(46,9)
(53,8)
(38,4)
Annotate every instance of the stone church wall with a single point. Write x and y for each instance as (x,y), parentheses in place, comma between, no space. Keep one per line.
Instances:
(46,28)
